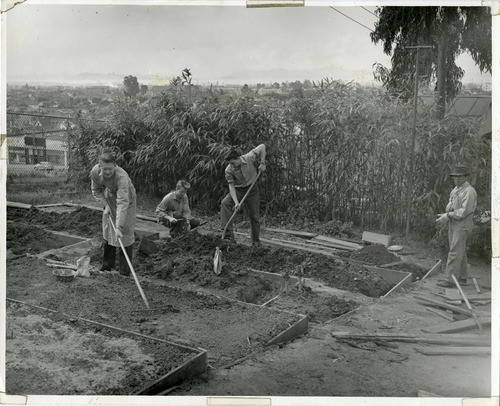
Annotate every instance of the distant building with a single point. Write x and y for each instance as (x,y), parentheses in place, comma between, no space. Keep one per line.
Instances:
(486,87)
(33,149)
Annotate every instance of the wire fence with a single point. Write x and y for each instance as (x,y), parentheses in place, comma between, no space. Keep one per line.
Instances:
(38,145)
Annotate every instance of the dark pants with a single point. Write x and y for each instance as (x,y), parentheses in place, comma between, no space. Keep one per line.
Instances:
(181,225)
(252,203)
(108,260)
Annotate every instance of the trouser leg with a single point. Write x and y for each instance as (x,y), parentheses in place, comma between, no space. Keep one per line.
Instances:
(124,268)
(457,257)
(226,211)
(464,271)
(108,257)
(252,203)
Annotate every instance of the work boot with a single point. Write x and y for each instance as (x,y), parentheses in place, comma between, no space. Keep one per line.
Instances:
(256,244)
(462,281)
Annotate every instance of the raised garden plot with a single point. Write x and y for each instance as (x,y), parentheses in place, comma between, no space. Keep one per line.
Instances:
(81,221)
(190,258)
(25,238)
(49,356)
(229,330)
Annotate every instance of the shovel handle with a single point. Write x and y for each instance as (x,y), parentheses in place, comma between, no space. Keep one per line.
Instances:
(241,202)
(128,259)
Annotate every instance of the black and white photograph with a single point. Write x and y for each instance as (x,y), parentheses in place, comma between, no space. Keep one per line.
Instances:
(239,201)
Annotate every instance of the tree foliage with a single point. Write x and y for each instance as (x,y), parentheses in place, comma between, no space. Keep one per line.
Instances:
(336,152)
(131,86)
(449,30)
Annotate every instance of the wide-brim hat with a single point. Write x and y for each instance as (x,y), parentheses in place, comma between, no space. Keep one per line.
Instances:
(460,170)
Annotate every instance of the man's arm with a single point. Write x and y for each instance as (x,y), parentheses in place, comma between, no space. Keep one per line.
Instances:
(186,211)
(232,192)
(122,201)
(260,151)
(467,206)
(162,210)
(97,189)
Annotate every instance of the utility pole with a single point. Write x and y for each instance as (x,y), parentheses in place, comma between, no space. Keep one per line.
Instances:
(413,136)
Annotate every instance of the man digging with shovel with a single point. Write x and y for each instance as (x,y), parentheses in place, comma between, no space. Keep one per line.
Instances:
(113,189)
(241,173)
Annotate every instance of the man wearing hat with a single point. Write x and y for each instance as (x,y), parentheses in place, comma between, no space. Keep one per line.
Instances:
(174,212)
(458,216)
(241,172)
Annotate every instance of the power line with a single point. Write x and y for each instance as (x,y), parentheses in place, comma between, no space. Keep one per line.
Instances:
(352,19)
(373,14)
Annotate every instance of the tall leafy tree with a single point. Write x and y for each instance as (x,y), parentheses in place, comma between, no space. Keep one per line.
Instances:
(449,30)
(131,86)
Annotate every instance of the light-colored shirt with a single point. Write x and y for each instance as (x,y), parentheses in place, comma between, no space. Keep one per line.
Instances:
(171,204)
(120,193)
(246,173)
(462,204)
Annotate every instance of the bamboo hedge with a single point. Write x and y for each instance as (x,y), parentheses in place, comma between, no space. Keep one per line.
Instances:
(339,152)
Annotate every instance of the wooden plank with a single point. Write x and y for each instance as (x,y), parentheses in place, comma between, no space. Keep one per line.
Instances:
(406,281)
(376,238)
(454,295)
(392,264)
(438,339)
(331,245)
(294,331)
(433,270)
(18,205)
(429,300)
(41,206)
(139,216)
(456,326)
(476,285)
(441,313)
(454,350)
(303,234)
(337,241)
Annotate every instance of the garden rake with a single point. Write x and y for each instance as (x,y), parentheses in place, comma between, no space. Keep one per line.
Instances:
(128,260)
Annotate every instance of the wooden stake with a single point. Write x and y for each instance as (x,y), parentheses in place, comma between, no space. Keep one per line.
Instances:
(474,315)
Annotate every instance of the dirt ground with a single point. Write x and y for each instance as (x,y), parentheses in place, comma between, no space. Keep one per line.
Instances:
(319,365)
(316,364)
(198,251)
(82,221)
(50,357)
(227,329)
(27,238)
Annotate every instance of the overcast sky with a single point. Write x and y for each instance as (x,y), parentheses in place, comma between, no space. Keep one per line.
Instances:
(226,44)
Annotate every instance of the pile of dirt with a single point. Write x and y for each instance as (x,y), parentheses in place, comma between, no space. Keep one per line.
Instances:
(317,307)
(82,221)
(27,238)
(375,254)
(235,280)
(46,356)
(334,272)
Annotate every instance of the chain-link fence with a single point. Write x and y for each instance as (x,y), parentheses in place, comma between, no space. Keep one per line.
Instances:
(38,145)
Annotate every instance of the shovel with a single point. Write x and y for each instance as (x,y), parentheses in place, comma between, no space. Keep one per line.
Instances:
(128,261)
(218,252)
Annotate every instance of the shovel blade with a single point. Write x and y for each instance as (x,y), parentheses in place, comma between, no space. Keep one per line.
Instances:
(218,261)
